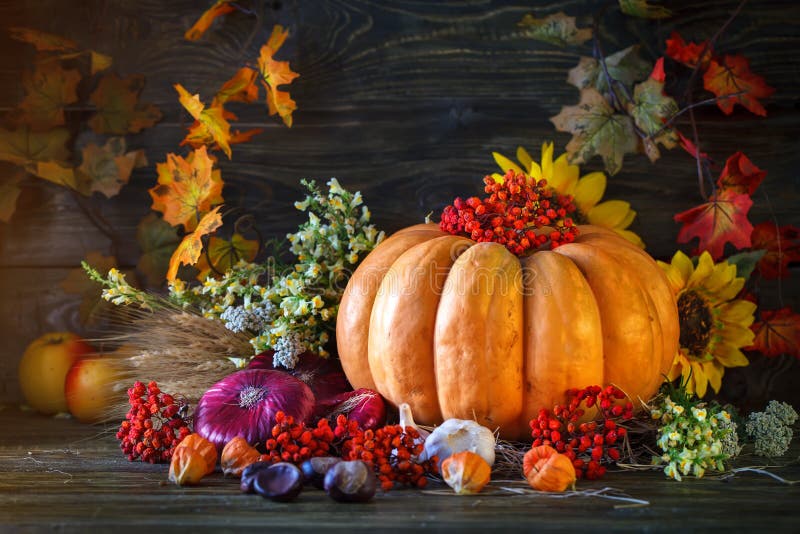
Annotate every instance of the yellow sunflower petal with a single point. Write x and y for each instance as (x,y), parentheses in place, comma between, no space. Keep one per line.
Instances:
(631,236)
(737,335)
(721,276)
(700,379)
(705,266)
(589,191)
(547,160)
(506,163)
(563,177)
(683,264)
(729,356)
(714,372)
(609,214)
(628,220)
(733,289)
(524,158)
(737,311)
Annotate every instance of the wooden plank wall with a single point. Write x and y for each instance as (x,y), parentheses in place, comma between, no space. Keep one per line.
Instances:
(404,100)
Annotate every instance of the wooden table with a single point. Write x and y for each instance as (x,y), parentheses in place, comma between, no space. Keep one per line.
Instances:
(59,474)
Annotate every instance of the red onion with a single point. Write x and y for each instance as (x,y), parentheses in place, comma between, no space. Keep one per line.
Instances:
(323,375)
(245,403)
(362,405)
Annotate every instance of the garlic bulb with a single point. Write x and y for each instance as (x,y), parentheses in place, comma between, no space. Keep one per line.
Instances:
(407,419)
(458,435)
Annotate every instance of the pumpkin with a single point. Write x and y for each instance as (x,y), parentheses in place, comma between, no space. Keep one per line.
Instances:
(459,329)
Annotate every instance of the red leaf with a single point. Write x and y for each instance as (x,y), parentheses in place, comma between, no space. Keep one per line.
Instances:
(658,71)
(778,332)
(721,220)
(782,245)
(686,53)
(690,147)
(740,175)
(733,75)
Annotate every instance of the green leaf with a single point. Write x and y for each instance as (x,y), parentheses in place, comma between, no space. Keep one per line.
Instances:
(225,254)
(597,130)
(557,29)
(745,262)
(649,109)
(158,240)
(640,8)
(626,66)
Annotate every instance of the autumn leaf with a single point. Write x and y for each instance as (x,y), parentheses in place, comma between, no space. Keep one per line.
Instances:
(42,41)
(782,245)
(48,89)
(188,252)
(745,262)
(186,188)
(92,307)
(10,178)
(26,148)
(777,332)
(225,254)
(690,147)
(108,168)
(99,62)
(118,108)
(64,176)
(597,130)
(240,88)
(687,53)
(732,75)
(158,240)
(721,220)
(650,109)
(557,29)
(211,120)
(276,73)
(626,66)
(220,8)
(740,175)
(643,9)
(198,136)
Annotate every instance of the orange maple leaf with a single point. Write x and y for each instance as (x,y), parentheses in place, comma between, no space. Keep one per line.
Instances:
(275,73)
(188,252)
(220,8)
(720,220)
(186,188)
(212,120)
(42,41)
(777,332)
(732,75)
(240,88)
(740,175)
(687,53)
(47,90)
(782,245)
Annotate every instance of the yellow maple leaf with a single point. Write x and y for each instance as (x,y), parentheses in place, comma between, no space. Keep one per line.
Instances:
(220,8)
(186,188)
(212,119)
(25,147)
(275,73)
(240,88)
(225,254)
(188,252)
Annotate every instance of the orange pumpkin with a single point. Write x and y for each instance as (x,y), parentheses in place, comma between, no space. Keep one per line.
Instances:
(468,330)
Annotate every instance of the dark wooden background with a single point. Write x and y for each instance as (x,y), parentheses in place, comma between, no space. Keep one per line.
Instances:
(403,100)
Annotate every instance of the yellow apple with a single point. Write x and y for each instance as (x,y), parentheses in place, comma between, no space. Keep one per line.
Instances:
(89,388)
(44,367)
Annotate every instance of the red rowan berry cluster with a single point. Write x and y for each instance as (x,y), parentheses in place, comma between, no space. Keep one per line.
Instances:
(511,214)
(391,451)
(296,443)
(590,444)
(153,426)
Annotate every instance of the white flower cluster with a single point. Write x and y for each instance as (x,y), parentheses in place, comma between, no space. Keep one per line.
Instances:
(693,438)
(771,430)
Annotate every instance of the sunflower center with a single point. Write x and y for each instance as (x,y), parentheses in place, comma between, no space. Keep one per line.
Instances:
(695,322)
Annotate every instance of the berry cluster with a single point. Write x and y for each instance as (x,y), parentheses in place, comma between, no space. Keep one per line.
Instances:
(589,444)
(296,443)
(515,208)
(391,451)
(153,426)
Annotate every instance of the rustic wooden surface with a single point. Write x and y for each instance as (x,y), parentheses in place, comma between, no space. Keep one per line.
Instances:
(402,100)
(61,475)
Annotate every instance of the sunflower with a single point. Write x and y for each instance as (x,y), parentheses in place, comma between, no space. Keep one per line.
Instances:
(714,325)
(587,190)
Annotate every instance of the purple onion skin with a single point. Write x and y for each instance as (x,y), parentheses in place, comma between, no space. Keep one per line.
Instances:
(245,403)
(369,412)
(323,375)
